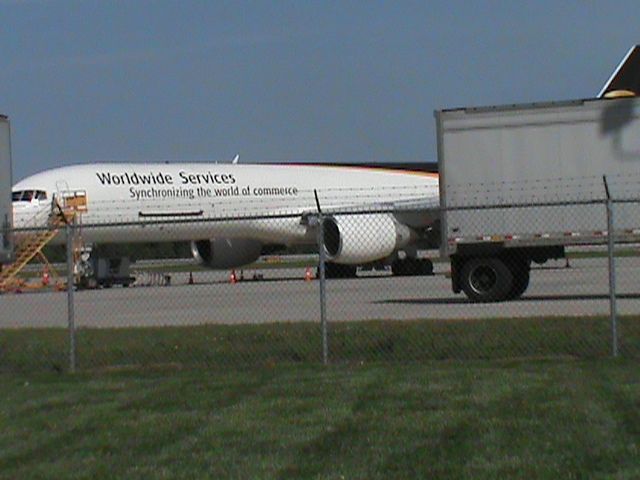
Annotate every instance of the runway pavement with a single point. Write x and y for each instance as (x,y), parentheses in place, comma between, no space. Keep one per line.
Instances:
(284,296)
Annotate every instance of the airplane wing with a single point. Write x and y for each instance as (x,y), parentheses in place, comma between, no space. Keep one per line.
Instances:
(418,212)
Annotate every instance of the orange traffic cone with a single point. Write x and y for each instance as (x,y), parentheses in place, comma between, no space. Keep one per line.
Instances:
(45,276)
(232,277)
(308,276)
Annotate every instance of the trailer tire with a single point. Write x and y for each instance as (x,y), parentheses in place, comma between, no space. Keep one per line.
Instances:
(521,274)
(486,280)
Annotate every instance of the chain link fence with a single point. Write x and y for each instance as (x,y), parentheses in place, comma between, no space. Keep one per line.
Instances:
(297,305)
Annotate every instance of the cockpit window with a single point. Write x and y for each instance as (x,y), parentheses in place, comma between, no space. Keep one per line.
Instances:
(28,195)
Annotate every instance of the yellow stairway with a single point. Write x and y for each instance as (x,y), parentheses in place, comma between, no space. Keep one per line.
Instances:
(31,245)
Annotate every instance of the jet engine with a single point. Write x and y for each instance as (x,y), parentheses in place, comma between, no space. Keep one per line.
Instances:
(358,239)
(221,253)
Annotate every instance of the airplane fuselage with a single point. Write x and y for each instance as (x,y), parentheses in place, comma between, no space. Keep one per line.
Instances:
(128,202)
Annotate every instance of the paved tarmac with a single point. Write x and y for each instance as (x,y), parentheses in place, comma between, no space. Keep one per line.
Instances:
(282,295)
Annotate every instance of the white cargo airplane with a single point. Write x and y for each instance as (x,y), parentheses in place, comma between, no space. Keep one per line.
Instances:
(229,212)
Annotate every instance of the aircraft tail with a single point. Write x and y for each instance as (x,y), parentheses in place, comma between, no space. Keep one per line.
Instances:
(625,79)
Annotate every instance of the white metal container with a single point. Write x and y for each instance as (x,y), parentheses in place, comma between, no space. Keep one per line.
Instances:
(549,154)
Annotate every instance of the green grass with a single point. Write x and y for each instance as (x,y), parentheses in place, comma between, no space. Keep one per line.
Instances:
(473,419)
(222,346)
(495,398)
(618,252)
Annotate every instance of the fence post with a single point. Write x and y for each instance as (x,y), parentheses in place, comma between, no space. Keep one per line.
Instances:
(70,230)
(612,271)
(323,291)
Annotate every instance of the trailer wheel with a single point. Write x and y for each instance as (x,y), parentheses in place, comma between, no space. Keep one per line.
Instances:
(486,280)
(521,274)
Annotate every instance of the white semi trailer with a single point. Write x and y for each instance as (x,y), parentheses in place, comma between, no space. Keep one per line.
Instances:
(6,211)
(520,183)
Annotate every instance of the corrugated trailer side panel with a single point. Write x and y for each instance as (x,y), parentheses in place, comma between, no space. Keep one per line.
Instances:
(538,154)
(6,211)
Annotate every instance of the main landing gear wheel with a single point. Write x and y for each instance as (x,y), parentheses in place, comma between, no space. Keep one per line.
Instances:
(337,270)
(412,266)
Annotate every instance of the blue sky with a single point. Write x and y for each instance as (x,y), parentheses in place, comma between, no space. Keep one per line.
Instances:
(290,81)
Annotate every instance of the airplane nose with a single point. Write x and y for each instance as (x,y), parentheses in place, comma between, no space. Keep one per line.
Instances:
(27,215)
(19,217)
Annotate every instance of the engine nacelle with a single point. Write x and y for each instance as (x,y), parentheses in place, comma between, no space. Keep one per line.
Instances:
(221,253)
(359,239)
